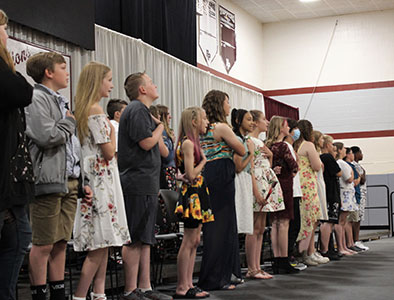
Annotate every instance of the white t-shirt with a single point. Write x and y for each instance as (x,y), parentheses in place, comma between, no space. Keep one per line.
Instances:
(297,192)
(116,126)
(346,174)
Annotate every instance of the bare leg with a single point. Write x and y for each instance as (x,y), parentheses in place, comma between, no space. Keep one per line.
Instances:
(89,270)
(356,231)
(131,260)
(275,237)
(283,237)
(311,246)
(349,235)
(261,219)
(325,233)
(144,272)
(57,261)
(38,262)
(186,259)
(99,279)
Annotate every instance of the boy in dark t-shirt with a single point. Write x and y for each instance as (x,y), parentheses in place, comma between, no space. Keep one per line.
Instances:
(139,149)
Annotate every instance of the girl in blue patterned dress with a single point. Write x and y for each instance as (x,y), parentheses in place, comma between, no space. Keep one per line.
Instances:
(193,207)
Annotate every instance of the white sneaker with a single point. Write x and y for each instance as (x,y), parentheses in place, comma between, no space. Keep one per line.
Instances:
(320,259)
(300,266)
(361,245)
(309,260)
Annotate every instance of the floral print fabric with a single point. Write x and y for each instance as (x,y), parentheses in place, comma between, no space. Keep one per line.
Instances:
(102,222)
(309,204)
(267,182)
(194,199)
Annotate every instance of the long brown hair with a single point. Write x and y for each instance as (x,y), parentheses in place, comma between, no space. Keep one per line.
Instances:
(213,105)
(4,54)
(88,93)
(164,112)
(306,130)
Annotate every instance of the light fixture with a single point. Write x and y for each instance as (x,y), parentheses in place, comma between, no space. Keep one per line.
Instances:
(306,1)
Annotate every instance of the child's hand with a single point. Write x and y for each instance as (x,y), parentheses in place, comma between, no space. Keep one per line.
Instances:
(69,114)
(250,145)
(157,121)
(267,152)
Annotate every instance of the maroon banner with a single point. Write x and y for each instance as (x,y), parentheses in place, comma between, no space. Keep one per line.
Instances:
(228,47)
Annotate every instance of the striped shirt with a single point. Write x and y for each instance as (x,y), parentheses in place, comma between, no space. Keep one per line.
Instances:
(213,149)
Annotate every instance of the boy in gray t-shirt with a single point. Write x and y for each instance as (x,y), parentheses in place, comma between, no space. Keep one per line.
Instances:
(139,149)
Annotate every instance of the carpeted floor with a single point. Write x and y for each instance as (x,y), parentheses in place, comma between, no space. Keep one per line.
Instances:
(365,276)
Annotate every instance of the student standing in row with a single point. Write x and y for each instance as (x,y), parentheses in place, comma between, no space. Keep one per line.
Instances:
(221,250)
(193,207)
(55,152)
(101,222)
(16,170)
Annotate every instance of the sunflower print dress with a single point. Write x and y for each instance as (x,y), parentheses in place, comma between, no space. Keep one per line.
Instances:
(193,202)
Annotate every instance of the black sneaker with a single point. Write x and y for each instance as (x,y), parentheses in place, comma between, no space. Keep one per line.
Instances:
(155,295)
(137,294)
(357,249)
(331,255)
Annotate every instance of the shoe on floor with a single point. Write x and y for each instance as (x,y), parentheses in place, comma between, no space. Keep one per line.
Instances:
(320,259)
(355,248)
(331,255)
(309,261)
(155,295)
(361,245)
(300,266)
(137,294)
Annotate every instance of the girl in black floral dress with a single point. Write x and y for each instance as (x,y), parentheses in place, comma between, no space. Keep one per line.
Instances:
(193,206)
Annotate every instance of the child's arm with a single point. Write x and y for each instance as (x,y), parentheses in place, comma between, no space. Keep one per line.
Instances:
(163,148)
(43,129)
(188,152)
(241,163)
(108,149)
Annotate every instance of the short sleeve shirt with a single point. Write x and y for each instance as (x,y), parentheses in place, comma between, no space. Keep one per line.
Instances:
(331,168)
(139,169)
(346,174)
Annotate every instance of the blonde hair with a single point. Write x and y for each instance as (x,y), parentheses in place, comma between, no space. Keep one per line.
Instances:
(327,139)
(186,129)
(87,94)
(276,124)
(4,54)
(316,136)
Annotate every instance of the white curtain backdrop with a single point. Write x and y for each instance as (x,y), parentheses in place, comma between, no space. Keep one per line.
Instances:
(180,85)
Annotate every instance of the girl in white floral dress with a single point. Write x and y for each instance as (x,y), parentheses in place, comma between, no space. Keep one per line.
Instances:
(100,223)
(267,193)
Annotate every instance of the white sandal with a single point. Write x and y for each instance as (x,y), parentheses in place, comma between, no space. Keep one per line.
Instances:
(95,296)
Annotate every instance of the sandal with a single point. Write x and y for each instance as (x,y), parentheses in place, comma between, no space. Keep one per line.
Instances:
(200,290)
(95,296)
(266,275)
(228,287)
(190,294)
(254,274)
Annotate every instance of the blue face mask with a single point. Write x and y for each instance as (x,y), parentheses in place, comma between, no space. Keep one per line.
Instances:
(296,134)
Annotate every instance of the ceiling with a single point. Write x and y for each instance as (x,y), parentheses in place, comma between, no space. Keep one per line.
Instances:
(282,10)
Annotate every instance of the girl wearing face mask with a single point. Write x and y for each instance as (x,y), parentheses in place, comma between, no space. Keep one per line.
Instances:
(267,193)
(294,226)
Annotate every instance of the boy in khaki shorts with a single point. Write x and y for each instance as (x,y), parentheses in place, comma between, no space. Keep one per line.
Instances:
(55,152)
